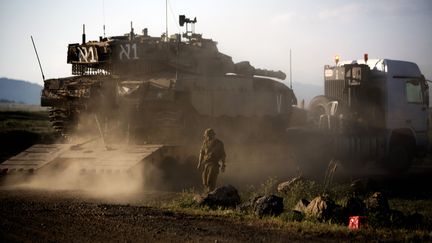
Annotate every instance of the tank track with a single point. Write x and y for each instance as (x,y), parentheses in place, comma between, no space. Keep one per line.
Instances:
(61,121)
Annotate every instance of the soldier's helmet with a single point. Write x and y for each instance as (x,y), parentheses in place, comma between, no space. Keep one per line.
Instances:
(209,133)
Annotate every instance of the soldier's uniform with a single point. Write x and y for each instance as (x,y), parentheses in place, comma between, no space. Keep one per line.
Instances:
(212,152)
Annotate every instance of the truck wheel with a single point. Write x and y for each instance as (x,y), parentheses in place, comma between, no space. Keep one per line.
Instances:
(400,157)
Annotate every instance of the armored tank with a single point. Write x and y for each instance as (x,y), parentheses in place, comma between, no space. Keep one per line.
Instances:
(149,99)
(158,89)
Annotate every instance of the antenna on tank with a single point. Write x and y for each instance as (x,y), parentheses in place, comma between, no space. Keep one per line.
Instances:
(166,19)
(290,70)
(40,65)
(131,34)
(103,17)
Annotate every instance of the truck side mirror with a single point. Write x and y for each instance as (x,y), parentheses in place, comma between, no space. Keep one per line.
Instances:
(425,89)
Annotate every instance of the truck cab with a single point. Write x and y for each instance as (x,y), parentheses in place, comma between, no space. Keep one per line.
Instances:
(377,108)
(407,100)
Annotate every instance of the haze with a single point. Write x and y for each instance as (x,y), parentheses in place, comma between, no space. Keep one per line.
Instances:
(261,32)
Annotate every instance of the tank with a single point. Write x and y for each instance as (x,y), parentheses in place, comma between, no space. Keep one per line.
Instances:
(165,89)
(139,104)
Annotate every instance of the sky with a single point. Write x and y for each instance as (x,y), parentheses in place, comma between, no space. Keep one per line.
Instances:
(262,32)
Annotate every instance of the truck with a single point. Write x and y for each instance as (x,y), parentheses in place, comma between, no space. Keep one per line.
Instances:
(373,113)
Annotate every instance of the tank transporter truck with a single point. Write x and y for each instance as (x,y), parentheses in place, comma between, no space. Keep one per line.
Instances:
(373,112)
(136,99)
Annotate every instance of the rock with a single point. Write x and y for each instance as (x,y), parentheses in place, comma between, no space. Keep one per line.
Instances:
(293,215)
(355,207)
(225,196)
(301,206)
(377,203)
(320,208)
(397,219)
(199,199)
(377,210)
(287,186)
(248,205)
(415,221)
(339,215)
(268,206)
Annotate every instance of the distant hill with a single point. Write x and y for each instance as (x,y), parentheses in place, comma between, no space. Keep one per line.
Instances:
(307,91)
(20,91)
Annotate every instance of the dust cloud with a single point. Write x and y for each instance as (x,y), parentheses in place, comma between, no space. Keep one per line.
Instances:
(254,164)
(257,149)
(70,175)
(106,165)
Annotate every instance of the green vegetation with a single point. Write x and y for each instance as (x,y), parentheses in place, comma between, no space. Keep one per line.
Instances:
(421,206)
(184,202)
(31,121)
(20,129)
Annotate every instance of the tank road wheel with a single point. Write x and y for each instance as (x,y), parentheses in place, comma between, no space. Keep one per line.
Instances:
(192,127)
(175,125)
(171,174)
(168,119)
(166,125)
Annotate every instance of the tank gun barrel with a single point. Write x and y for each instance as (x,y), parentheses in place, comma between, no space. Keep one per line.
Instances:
(244,68)
(270,73)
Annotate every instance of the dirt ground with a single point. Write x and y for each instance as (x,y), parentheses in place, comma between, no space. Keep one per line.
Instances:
(36,215)
(69,215)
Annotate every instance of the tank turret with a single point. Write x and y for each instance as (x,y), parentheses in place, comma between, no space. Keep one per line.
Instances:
(144,55)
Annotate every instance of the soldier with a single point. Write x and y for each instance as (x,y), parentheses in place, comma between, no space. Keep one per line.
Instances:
(212,152)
